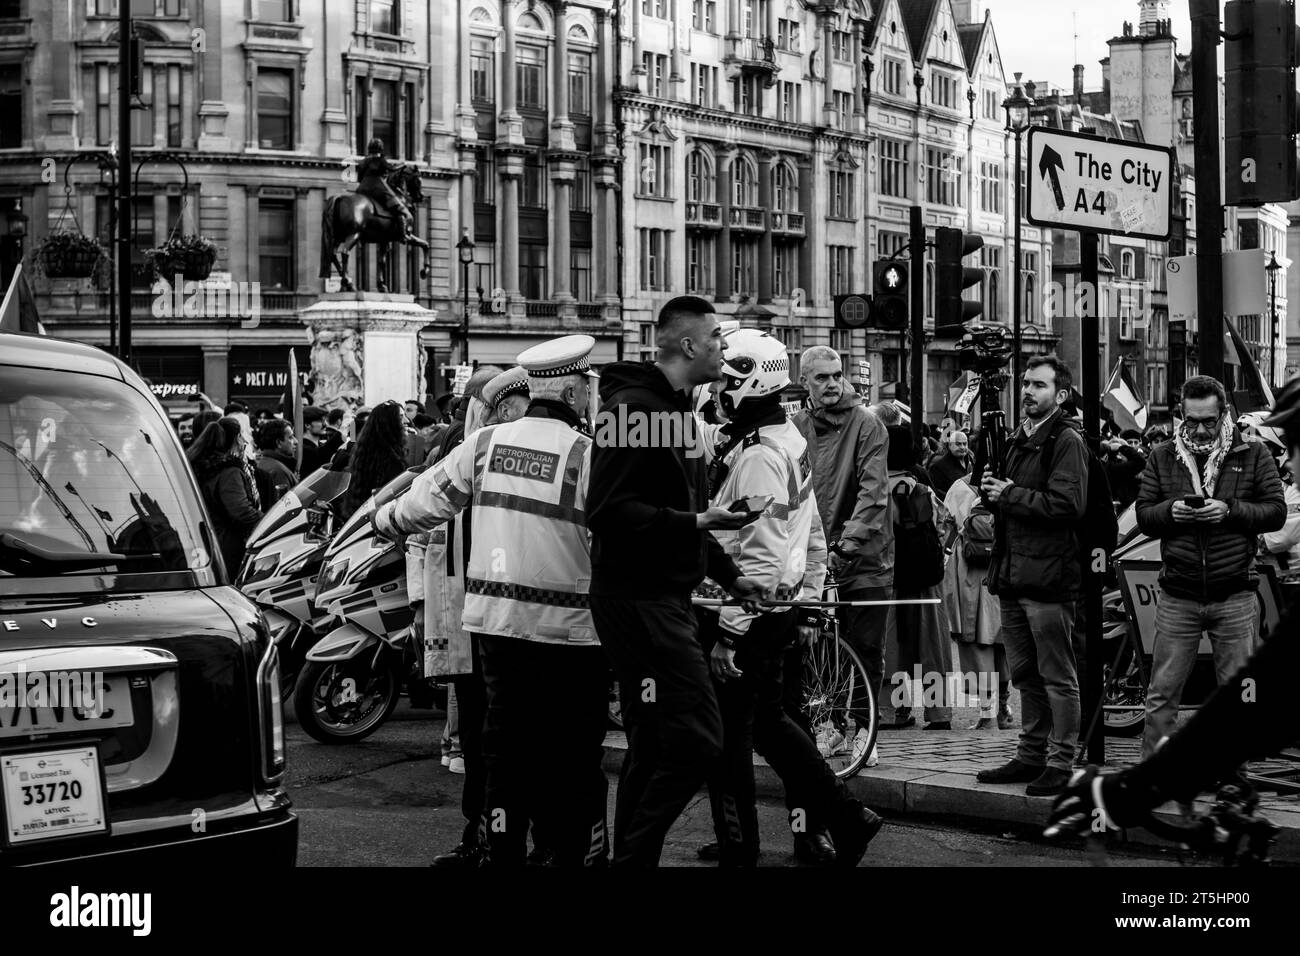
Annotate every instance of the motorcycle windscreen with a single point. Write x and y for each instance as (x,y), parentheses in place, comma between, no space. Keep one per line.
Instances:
(319,488)
(394,489)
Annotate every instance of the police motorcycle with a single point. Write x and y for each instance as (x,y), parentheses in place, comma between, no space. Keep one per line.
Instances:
(283,558)
(354,675)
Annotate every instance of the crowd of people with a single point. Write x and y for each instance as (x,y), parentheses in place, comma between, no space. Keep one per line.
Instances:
(541,556)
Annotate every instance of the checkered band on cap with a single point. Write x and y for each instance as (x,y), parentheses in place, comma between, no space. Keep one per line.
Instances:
(573,368)
(519,387)
(567,355)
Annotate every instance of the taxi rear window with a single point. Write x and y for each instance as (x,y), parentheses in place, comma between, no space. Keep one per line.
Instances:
(91,479)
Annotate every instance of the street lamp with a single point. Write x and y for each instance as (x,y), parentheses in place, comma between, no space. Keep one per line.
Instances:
(465,249)
(1272,269)
(1017,109)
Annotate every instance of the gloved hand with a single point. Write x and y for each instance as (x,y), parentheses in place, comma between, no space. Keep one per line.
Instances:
(1094,802)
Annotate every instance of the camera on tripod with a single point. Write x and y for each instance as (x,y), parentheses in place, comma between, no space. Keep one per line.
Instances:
(984,349)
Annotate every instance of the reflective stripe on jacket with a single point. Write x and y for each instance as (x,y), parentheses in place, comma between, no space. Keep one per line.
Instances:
(529,570)
(785,549)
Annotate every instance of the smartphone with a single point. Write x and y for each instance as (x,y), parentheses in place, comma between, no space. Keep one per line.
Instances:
(1194,501)
(752,505)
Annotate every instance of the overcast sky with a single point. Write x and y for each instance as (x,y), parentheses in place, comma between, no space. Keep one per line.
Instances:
(1036,37)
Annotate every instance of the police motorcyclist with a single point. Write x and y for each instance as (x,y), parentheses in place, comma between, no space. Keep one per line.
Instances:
(372,173)
(527,603)
(1251,717)
(761,458)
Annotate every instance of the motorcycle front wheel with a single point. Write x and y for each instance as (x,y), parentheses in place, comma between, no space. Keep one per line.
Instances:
(345,701)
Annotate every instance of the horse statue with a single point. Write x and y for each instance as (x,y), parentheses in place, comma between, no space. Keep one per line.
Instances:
(352,218)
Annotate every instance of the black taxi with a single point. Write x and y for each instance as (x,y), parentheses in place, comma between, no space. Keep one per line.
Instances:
(140,706)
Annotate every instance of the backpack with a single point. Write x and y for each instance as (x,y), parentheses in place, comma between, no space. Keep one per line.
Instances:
(1098,529)
(918,554)
(977,537)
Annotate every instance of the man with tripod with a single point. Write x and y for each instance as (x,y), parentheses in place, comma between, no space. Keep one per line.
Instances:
(1037,575)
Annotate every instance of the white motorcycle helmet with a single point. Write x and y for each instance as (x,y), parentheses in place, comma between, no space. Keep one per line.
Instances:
(754,365)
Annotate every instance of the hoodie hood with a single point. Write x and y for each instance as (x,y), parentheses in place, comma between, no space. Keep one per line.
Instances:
(622,377)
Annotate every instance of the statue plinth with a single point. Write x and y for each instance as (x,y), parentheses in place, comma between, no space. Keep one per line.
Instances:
(365,348)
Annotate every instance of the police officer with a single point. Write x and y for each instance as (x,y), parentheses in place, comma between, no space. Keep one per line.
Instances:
(527,603)
(761,458)
(506,396)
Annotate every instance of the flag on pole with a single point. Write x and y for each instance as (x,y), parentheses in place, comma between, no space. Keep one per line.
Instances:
(1122,398)
(1252,392)
(18,312)
(295,396)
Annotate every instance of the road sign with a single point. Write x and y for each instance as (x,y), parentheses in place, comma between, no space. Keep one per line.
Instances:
(1245,284)
(1098,184)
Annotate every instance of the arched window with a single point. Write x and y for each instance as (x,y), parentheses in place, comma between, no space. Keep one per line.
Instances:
(701,183)
(1127,264)
(929,289)
(744,182)
(993,304)
(785,188)
(1030,311)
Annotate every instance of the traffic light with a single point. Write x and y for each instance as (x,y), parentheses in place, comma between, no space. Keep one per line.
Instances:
(952,278)
(852,311)
(1260,122)
(889,294)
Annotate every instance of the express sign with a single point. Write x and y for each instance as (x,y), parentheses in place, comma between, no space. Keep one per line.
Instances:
(1103,185)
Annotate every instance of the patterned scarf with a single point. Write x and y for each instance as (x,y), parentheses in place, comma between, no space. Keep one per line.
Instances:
(1216,448)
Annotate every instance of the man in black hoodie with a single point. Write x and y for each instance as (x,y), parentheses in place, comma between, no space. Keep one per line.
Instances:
(647,509)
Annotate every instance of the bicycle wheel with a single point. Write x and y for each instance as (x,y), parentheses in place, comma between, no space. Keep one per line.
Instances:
(839,705)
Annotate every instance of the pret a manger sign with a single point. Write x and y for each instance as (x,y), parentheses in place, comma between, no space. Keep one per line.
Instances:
(1103,185)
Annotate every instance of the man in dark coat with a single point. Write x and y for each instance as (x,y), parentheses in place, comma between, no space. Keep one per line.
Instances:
(276,450)
(953,464)
(1037,576)
(1207,495)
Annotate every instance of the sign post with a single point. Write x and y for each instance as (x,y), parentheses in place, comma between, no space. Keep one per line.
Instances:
(1095,185)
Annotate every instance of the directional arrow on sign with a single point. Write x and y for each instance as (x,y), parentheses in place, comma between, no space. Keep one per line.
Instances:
(1049,166)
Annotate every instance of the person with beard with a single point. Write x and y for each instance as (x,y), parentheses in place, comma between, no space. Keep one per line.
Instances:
(1037,575)
(274,468)
(229,490)
(378,459)
(319,444)
(1207,495)
(849,448)
(760,456)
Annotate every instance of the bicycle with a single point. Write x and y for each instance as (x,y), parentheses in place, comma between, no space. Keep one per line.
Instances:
(833,678)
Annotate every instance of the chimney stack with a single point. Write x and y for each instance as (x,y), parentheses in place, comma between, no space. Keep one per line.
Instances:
(1078,80)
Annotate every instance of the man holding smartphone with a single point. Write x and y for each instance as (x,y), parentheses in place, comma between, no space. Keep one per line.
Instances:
(1207,495)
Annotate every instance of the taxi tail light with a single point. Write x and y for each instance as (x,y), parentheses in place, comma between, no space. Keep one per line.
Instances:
(271,716)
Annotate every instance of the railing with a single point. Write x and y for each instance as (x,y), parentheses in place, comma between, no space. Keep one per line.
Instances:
(753,51)
(590,310)
(788,222)
(704,213)
(747,217)
(541,310)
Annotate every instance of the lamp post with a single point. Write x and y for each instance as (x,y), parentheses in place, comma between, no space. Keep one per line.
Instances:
(1272,269)
(465,249)
(1017,109)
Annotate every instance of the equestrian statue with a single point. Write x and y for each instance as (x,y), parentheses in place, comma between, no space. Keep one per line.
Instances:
(377,212)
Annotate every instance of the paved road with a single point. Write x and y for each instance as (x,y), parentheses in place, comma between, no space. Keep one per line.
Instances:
(387,801)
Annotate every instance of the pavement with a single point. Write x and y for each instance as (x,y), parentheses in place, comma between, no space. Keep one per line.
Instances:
(929,774)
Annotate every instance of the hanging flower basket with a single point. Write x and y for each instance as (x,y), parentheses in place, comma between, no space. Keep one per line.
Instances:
(68,255)
(192,257)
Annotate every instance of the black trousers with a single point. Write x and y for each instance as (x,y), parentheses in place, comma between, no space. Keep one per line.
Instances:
(471,699)
(543,741)
(670,714)
(754,717)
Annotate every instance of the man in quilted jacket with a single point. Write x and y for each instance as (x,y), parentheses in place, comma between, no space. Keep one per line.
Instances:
(1207,495)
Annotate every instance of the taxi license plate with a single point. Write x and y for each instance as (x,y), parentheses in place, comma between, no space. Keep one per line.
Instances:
(111,709)
(52,793)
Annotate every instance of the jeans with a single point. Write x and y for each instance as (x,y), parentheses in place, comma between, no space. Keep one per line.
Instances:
(864,628)
(670,715)
(1232,624)
(1039,638)
(754,719)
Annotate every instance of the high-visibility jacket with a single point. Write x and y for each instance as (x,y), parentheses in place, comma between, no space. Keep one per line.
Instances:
(785,549)
(529,573)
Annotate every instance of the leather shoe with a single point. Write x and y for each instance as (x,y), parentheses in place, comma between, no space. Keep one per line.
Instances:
(1013,771)
(984,723)
(853,835)
(814,849)
(464,854)
(1006,720)
(938,725)
(710,852)
(900,723)
(1051,782)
